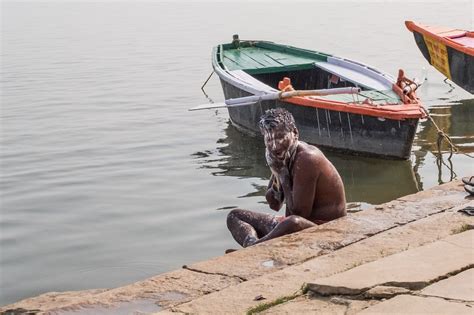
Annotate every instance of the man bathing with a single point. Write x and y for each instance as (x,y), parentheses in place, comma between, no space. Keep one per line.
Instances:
(302,177)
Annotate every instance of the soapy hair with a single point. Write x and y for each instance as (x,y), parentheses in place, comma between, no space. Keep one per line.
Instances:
(277,117)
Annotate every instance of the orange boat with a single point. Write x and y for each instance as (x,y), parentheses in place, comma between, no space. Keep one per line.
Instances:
(450,51)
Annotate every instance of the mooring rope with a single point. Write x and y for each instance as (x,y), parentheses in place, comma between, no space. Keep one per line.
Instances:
(444,136)
(202,87)
(452,86)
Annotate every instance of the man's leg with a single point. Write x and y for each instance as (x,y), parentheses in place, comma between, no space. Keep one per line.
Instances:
(291,224)
(247,227)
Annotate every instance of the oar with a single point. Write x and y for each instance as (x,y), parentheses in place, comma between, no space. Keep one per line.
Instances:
(249,100)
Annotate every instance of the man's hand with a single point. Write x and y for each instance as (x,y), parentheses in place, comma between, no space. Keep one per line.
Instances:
(274,195)
(275,199)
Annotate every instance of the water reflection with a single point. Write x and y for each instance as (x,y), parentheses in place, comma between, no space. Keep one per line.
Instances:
(367,180)
(374,181)
(456,120)
(237,155)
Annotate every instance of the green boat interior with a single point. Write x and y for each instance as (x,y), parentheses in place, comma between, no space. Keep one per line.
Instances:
(269,63)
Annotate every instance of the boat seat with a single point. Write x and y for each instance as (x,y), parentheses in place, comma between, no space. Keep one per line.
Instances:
(247,79)
(465,41)
(355,73)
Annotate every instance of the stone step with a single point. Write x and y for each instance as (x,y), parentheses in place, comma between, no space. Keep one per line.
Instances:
(458,287)
(284,283)
(408,304)
(413,269)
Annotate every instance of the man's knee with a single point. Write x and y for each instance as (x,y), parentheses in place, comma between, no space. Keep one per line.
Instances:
(293,220)
(233,216)
(296,223)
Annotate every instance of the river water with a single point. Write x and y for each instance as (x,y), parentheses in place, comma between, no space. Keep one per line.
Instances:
(107,179)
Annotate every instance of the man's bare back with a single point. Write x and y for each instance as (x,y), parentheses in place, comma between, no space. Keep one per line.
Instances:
(313,170)
(302,177)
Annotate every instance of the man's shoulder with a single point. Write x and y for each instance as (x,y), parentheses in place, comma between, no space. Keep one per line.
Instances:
(308,155)
(310,152)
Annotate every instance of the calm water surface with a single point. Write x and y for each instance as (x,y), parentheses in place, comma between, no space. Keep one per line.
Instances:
(107,179)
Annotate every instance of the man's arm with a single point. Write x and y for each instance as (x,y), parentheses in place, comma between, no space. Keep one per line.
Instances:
(287,187)
(305,177)
(274,194)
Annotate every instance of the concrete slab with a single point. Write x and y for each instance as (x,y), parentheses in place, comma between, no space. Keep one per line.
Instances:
(458,287)
(408,304)
(384,292)
(160,292)
(238,299)
(412,269)
(308,305)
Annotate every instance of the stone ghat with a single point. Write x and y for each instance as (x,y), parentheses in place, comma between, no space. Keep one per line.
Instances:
(310,271)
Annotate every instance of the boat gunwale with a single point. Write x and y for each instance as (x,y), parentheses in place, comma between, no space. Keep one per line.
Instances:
(395,112)
(371,71)
(415,27)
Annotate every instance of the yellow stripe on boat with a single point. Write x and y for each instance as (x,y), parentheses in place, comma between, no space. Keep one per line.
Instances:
(439,55)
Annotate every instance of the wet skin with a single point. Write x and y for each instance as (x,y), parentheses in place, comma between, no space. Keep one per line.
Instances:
(303,178)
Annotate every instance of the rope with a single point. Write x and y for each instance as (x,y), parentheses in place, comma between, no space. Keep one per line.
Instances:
(452,86)
(202,87)
(204,92)
(444,136)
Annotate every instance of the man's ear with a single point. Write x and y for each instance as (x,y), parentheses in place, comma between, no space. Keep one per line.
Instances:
(296,133)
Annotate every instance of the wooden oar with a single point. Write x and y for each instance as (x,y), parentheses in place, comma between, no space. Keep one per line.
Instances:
(249,100)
